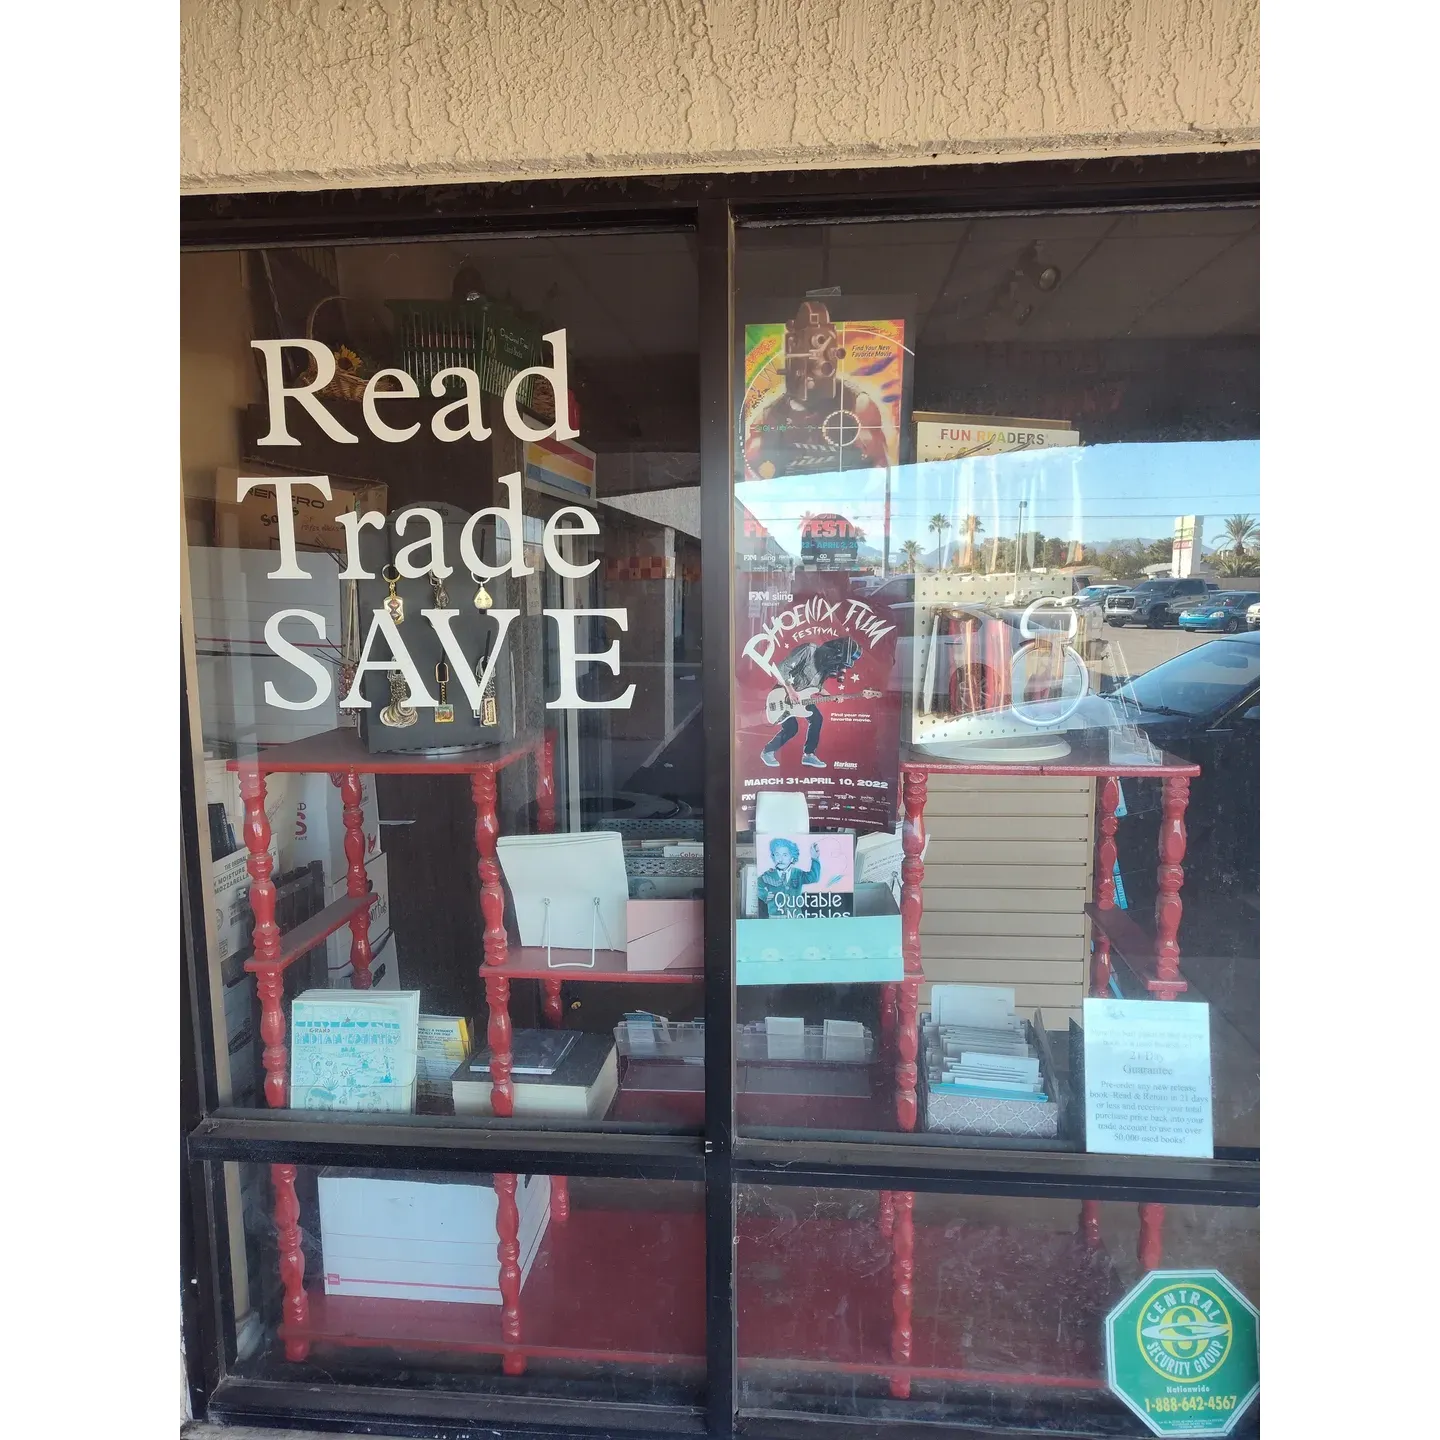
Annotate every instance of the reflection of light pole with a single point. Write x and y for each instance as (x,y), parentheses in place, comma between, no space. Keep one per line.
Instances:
(1019,527)
(885,542)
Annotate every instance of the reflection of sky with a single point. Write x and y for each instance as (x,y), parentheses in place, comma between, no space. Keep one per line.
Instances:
(1091,493)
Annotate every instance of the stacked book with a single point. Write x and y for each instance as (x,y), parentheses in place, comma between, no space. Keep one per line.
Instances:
(557,1074)
(979,1046)
(354,1050)
(444,1043)
(422,1237)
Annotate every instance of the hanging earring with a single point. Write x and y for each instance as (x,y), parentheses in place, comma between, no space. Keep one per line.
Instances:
(437,589)
(444,711)
(397,714)
(393,603)
(483,599)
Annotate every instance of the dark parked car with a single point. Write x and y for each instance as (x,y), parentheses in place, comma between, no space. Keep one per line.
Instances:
(1156,602)
(1202,706)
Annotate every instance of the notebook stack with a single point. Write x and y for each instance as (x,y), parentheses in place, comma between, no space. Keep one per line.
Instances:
(354,1050)
(557,1074)
(426,1237)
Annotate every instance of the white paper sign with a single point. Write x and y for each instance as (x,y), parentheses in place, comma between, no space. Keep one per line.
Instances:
(1147,1078)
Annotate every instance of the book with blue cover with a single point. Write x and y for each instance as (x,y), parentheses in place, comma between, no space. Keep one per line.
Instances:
(354,1050)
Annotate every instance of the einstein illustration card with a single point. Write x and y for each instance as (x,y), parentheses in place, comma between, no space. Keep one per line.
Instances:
(805,876)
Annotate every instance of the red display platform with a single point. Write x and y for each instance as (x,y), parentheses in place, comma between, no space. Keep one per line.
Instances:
(992,1305)
(530,962)
(336,751)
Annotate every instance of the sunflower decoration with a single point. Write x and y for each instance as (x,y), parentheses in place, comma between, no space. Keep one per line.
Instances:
(352,367)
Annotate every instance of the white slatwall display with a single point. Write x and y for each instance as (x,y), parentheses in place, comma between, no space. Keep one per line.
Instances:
(1007,877)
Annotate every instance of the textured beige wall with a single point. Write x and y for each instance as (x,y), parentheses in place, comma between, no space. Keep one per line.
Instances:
(297,94)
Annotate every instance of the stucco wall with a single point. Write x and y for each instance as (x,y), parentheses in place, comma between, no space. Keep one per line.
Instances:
(293,94)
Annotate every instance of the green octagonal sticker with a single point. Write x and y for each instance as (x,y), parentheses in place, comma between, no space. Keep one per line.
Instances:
(1182,1350)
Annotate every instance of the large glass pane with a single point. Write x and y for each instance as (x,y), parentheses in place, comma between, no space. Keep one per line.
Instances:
(434,1280)
(997,673)
(442,512)
(998,1311)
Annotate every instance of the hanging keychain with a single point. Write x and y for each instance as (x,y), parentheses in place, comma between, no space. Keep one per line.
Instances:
(437,588)
(444,711)
(483,599)
(397,714)
(393,603)
(488,713)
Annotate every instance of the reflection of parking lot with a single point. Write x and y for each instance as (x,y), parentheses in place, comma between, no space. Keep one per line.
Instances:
(1136,649)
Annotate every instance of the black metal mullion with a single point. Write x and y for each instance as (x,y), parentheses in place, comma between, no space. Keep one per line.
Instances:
(717,516)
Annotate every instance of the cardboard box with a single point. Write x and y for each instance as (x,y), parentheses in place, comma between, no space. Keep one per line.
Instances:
(230,896)
(423,1239)
(664,934)
(253,524)
(315,828)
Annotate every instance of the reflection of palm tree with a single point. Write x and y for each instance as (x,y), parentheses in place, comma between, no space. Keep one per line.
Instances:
(1240,530)
(939,524)
(912,554)
(972,526)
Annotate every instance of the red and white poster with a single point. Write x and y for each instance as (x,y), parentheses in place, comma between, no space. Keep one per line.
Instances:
(818,706)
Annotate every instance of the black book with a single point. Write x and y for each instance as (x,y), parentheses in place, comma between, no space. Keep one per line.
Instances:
(532,1052)
(581,1088)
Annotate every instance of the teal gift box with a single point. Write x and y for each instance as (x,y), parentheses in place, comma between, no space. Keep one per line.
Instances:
(850,949)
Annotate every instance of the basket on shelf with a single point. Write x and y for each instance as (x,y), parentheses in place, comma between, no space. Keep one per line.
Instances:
(351,369)
(480,335)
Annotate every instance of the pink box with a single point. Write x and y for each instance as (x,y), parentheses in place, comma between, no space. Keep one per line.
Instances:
(664,935)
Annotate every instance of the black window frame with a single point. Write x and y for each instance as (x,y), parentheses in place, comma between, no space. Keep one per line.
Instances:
(713,206)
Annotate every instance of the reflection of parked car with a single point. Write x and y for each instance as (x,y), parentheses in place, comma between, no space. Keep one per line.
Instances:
(1203,706)
(1225,610)
(1252,616)
(1155,602)
(1094,594)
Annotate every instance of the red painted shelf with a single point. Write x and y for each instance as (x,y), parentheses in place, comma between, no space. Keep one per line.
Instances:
(614,1285)
(309,933)
(341,749)
(527,962)
(1127,935)
(993,1305)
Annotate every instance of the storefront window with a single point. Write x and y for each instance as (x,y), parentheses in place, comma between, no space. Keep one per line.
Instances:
(447,647)
(997,681)
(940,1104)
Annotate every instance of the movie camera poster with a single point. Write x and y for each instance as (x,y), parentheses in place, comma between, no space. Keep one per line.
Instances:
(823,393)
(818,705)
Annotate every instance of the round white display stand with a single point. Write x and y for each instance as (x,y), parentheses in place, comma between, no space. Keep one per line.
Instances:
(1011,750)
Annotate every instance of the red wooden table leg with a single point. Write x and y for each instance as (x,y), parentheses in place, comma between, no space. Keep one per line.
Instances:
(1105,853)
(1166,982)
(554,1014)
(1150,1248)
(903,1295)
(265,936)
(269,984)
(912,874)
(498,1035)
(560,1198)
(356,881)
(886,1214)
(1090,1224)
(497,944)
(507,1222)
(545,784)
(295,1309)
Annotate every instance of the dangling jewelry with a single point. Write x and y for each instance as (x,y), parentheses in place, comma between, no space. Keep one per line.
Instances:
(437,588)
(444,711)
(397,714)
(488,713)
(393,603)
(483,599)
